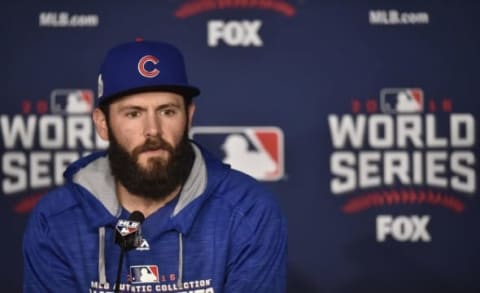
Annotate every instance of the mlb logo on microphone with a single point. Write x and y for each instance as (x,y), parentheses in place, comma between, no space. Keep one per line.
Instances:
(144,274)
(126,227)
(401,100)
(255,150)
(71,101)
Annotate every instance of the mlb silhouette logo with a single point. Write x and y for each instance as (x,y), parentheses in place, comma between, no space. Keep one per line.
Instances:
(256,151)
(71,101)
(401,100)
(144,274)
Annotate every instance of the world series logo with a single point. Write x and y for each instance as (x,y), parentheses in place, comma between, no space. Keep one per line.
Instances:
(403,149)
(380,149)
(40,139)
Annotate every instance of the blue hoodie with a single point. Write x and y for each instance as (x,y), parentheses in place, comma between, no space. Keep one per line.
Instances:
(223,233)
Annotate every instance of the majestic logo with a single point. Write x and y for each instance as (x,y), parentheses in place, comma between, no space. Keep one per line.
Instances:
(71,101)
(144,246)
(395,153)
(257,151)
(144,63)
(144,274)
(234,33)
(403,228)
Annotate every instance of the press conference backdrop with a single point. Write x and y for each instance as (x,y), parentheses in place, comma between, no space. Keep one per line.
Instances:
(360,115)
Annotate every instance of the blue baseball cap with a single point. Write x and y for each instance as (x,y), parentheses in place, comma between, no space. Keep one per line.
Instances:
(143,66)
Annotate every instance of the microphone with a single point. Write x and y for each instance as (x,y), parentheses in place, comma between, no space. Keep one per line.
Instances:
(128,235)
(128,232)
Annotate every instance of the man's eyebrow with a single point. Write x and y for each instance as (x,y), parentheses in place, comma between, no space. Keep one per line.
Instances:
(131,107)
(168,105)
(139,108)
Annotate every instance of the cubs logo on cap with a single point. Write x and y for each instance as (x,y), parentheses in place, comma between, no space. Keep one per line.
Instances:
(142,63)
(143,66)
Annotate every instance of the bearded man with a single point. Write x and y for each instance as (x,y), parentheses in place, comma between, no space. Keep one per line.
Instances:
(204,227)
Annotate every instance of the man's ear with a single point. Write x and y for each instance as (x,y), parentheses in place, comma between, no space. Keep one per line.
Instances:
(100,121)
(190,112)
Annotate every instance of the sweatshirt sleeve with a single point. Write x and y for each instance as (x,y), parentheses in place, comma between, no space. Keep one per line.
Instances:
(259,250)
(44,270)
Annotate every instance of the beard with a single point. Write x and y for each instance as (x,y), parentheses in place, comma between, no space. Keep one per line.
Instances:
(160,177)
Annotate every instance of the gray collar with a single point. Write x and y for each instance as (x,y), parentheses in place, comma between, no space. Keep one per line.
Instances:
(96,177)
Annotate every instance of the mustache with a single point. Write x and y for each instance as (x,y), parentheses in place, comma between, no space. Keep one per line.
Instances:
(151,144)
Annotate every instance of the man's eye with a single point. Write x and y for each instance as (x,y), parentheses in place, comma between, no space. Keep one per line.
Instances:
(169,112)
(133,114)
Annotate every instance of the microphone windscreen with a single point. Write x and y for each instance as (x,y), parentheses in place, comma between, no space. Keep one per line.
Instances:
(137,217)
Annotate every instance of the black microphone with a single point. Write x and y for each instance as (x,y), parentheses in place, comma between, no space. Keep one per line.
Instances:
(128,232)
(128,235)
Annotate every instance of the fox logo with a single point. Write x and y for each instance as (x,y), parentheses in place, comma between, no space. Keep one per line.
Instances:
(256,151)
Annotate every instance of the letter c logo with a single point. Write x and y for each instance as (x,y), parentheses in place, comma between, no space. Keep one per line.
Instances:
(141,66)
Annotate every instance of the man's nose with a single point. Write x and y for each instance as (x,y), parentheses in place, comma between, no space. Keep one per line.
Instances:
(152,125)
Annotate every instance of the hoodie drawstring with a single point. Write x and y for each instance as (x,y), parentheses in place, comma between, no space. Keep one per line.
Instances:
(102,277)
(180,260)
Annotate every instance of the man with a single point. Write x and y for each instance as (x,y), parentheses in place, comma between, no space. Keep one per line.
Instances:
(207,228)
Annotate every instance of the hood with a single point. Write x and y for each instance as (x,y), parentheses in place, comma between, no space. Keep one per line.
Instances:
(92,178)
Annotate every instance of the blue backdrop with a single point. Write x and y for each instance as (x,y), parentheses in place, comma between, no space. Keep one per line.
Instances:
(363,112)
